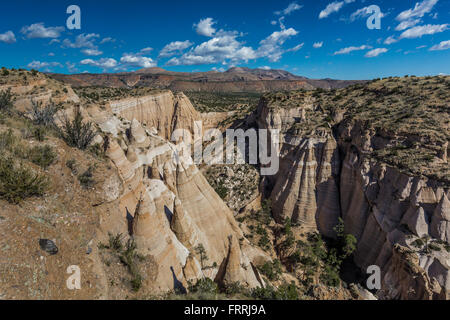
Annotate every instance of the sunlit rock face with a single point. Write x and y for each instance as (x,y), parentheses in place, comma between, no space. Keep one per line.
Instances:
(171,207)
(325,175)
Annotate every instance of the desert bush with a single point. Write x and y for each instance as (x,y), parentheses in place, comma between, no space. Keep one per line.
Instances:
(284,292)
(129,257)
(204,286)
(6,100)
(272,270)
(77,133)
(72,165)
(43,115)
(87,178)
(42,156)
(18,182)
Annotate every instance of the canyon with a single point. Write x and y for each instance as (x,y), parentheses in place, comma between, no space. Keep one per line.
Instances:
(354,154)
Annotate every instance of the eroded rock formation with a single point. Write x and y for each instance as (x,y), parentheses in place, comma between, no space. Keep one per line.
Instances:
(327,173)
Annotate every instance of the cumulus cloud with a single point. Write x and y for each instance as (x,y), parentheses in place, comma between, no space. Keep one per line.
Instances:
(419,31)
(390,40)
(221,49)
(375,52)
(271,47)
(82,41)
(444,45)
(104,63)
(43,66)
(296,48)
(38,30)
(419,10)
(71,67)
(407,24)
(108,39)
(136,60)
(362,13)
(8,37)
(291,8)
(174,48)
(146,50)
(351,49)
(92,52)
(318,45)
(205,27)
(226,48)
(333,7)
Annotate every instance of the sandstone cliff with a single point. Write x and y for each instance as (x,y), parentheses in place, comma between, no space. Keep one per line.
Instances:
(331,167)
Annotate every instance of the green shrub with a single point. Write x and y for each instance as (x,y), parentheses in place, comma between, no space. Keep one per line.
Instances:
(272,270)
(19,182)
(129,257)
(419,243)
(43,116)
(77,133)
(6,100)
(284,292)
(87,178)
(221,191)
(72,165)
(204,286)
(42,156)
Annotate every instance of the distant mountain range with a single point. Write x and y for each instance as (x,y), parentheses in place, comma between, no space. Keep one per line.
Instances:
(237,79)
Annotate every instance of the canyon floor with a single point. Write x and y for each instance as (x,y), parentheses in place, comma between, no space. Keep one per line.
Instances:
(90,180)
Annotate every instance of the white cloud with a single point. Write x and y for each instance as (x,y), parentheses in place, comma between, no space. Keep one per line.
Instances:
(205,27)
(106,40)
(444,45)
(362,13)
(270,47)
(104,63)
(351,49)
(333,7)
(146,50)
(224,47)
(92,52)
(220,49)
(265,68)
(136,60)
(419,10)
(71,67)
(174,48)
(419,31)
(375,52)
(8,37)
(296,48)
(291,8)
(82,41)
(407,24)
(38,30)
(318,45)
(44,66)
(390,40)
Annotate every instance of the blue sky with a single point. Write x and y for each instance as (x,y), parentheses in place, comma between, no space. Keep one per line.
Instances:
(313,38)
